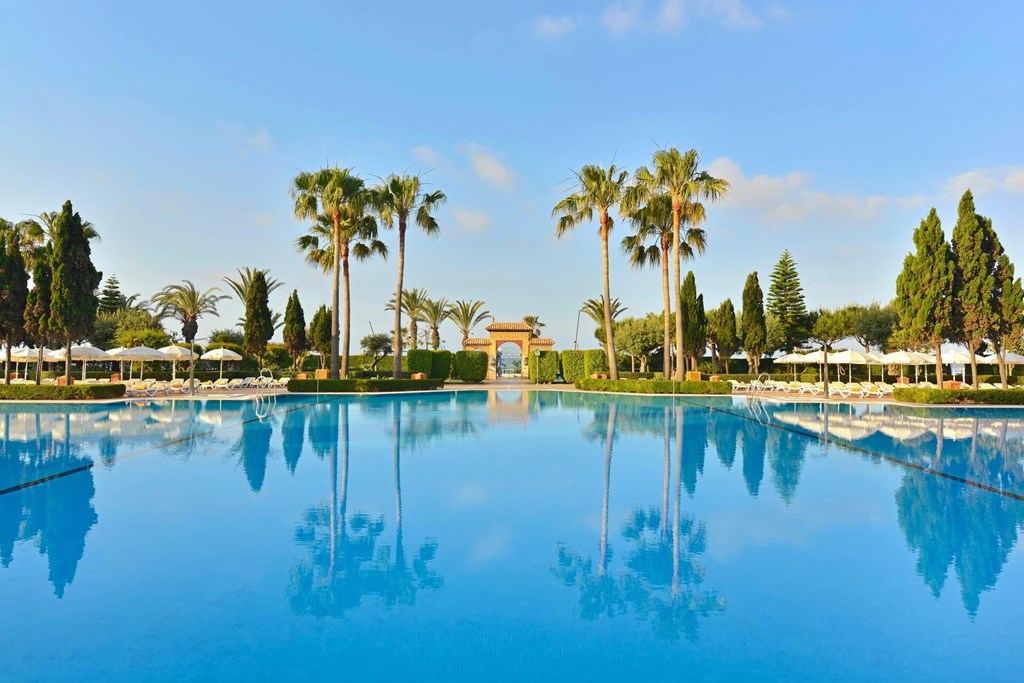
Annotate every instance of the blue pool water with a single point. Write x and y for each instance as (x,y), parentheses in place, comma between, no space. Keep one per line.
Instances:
(510,535)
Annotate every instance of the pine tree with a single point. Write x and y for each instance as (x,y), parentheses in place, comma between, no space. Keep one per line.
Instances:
(319,335)
(924,289)
(974,279)
(111,298)
(13,294)
(753,332)
(259,327)
(37,305)
(73,300)
(786,302)
(727,342)
(295,328)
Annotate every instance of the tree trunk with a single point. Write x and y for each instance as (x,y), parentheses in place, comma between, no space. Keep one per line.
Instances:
(972,348)
(677,209)
(67,357)
(397,368)
(1001,357)
(334,298)
(609,344)
(39,361)
(938,363)
(666,314)
(348,312)
(7,364)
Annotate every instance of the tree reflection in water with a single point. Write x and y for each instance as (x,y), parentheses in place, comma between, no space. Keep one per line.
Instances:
(346,559)
(662,579)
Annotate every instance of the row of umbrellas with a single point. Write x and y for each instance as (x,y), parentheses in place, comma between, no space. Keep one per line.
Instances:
(909,358)
(139,354)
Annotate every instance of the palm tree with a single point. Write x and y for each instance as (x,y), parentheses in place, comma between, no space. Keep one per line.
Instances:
(534,322)
(598,190)
(397,199)
(680,177)
(594,308)
(435,312)
(414,302)
(245,275)
(653,221)
(328,192)
(357,236)
(187,304)
(466,315)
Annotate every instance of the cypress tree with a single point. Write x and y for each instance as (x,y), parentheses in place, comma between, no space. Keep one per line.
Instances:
(924,289)
(294,328)
(694,324)
(259,326)
(73,290)
(727,342)
(1008,304)
(13,294)
(319,335)
(753,332)
(974,279)
(786,302)
(111,298)
(37,306)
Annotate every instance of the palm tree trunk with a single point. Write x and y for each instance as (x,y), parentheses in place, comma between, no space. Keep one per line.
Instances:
(666,314)
(334,298)
(680,357)
(348,312)
(613,368)
(397,369)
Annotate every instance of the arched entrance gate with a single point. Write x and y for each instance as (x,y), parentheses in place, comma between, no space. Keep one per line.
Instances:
(519,334)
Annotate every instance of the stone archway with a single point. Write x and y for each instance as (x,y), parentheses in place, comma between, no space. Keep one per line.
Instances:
(520,334)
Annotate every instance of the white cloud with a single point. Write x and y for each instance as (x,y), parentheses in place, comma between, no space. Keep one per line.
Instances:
(672,14)
(621,18)
(258,140)
(789,198)
(549,28)
(985,180)
(730,13)
(489,168)
(473,222)
(427,155)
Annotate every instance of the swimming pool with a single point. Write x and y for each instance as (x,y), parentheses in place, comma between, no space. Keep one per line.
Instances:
(509,535)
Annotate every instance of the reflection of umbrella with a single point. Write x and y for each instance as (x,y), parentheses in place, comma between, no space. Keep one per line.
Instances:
(176,353)
(138,353)
(221,355)
(84,354)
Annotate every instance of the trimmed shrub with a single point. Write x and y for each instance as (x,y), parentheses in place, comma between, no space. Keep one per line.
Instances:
(52,392)
(544,367)
(471,366)
(573,367)
(640,375)
(312,386)
(594,361)
(277,357)
(996,397)
(419,361)
(440,365)
(654,386)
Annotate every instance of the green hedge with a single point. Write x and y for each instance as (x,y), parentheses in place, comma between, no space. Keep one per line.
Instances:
(653,386)
(1001,397)
(594,361)
(441,365)
(544,367)
(471,366)
(640,375)
(312,386)
(573,367)
(53,392)
(419,361)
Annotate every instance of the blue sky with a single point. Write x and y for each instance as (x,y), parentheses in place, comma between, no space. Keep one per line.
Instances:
(177,128)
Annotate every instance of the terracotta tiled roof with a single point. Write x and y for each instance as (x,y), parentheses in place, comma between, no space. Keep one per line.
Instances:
(509,327)
(542,341)
(476,342)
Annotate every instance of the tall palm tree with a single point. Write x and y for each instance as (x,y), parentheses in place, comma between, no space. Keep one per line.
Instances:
(397,199)
(328,192)
(466,315)
(187,304)
(594,308)
(358,238)
(680,177)
(435,312)
(598,191)
(653,222)
(414,302)
(534,322)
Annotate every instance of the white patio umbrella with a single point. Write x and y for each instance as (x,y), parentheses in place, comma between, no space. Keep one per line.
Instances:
(905,358)
(221,355)
(851,358)
(26,355)
(790,359)
(176,353)
(140,354)
(84,354)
